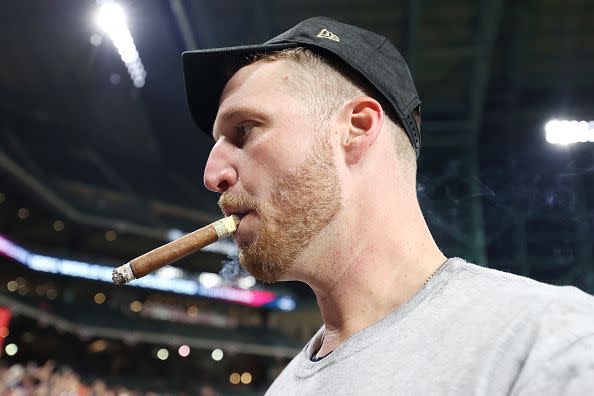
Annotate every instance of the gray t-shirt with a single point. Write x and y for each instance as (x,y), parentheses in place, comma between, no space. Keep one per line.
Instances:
(469,331)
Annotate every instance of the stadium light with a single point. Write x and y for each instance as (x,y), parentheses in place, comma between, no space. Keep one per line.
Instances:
(217,355)
(11,349)
(209,280)
(169,272)
(23,213)
(286,303)
(565,132)
(12,286)
(184,351)
(246,378)
(58,225)
(246,282)
(162,354)
(112,21)
(235,378)
(136,306)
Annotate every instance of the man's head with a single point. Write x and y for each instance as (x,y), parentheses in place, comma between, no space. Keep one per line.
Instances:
(298,134)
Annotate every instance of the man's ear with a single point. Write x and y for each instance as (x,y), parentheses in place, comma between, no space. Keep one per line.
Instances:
(365,117)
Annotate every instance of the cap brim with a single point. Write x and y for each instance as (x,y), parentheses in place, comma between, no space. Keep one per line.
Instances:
(206,73)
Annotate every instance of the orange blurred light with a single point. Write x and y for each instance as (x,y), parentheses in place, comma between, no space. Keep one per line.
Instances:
(246,378)
(99,298)
(234,378)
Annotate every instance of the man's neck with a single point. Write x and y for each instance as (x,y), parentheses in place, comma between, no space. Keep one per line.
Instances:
(368,281)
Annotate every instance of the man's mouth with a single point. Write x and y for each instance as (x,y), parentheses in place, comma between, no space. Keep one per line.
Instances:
(246,230)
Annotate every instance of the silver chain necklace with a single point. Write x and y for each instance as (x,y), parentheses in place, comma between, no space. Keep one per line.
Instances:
(435,272)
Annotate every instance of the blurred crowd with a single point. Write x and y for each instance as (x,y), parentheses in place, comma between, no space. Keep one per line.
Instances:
(48,380)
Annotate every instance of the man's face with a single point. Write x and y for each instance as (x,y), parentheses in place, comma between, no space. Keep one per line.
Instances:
(274,166)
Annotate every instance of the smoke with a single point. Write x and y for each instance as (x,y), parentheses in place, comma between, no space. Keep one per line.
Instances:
(232,270)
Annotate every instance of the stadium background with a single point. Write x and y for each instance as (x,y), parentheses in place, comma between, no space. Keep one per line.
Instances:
(100,162)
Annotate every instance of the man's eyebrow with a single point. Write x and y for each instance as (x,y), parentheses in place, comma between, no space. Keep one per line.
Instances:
(237,113)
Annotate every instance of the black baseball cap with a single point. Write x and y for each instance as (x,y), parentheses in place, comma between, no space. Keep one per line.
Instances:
(373,56)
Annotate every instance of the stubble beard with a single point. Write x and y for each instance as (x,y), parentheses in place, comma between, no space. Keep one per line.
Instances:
(300,206)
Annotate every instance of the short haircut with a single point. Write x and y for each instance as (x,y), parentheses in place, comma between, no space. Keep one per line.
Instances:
(325,83)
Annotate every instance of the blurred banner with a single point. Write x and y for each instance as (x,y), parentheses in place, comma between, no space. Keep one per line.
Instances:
(187,286)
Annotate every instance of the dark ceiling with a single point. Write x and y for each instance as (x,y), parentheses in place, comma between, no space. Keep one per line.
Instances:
(79,138)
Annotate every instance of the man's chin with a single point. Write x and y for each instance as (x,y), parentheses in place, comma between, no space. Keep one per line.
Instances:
(260,268)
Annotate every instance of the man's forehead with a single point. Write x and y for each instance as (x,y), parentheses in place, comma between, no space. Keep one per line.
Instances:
(256,78)
(250,90)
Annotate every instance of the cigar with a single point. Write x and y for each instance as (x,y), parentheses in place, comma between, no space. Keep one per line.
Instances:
(175,250)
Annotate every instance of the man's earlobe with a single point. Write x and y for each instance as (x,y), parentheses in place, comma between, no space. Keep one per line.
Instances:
(365,123)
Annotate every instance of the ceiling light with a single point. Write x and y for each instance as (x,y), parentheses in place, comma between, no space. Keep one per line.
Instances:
(111,19)
(565,132)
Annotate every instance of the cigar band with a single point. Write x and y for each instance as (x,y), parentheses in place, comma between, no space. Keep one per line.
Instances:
(225,227)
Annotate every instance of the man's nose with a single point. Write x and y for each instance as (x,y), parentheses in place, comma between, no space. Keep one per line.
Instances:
(219,173)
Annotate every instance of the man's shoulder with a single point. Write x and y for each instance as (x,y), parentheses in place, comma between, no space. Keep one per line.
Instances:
(548,328)
(507,283)
(515,293)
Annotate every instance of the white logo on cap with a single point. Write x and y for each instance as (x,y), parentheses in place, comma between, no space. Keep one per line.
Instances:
(324,33)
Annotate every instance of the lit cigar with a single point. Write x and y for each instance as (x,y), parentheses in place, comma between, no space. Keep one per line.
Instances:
(175,250)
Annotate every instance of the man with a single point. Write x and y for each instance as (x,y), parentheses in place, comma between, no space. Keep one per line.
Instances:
(317,135)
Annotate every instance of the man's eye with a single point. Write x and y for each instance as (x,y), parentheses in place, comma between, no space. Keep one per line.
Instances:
(244,131)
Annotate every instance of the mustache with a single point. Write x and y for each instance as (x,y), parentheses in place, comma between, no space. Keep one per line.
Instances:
(232,202)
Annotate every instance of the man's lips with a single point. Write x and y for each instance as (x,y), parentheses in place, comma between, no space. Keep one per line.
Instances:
(245,231)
